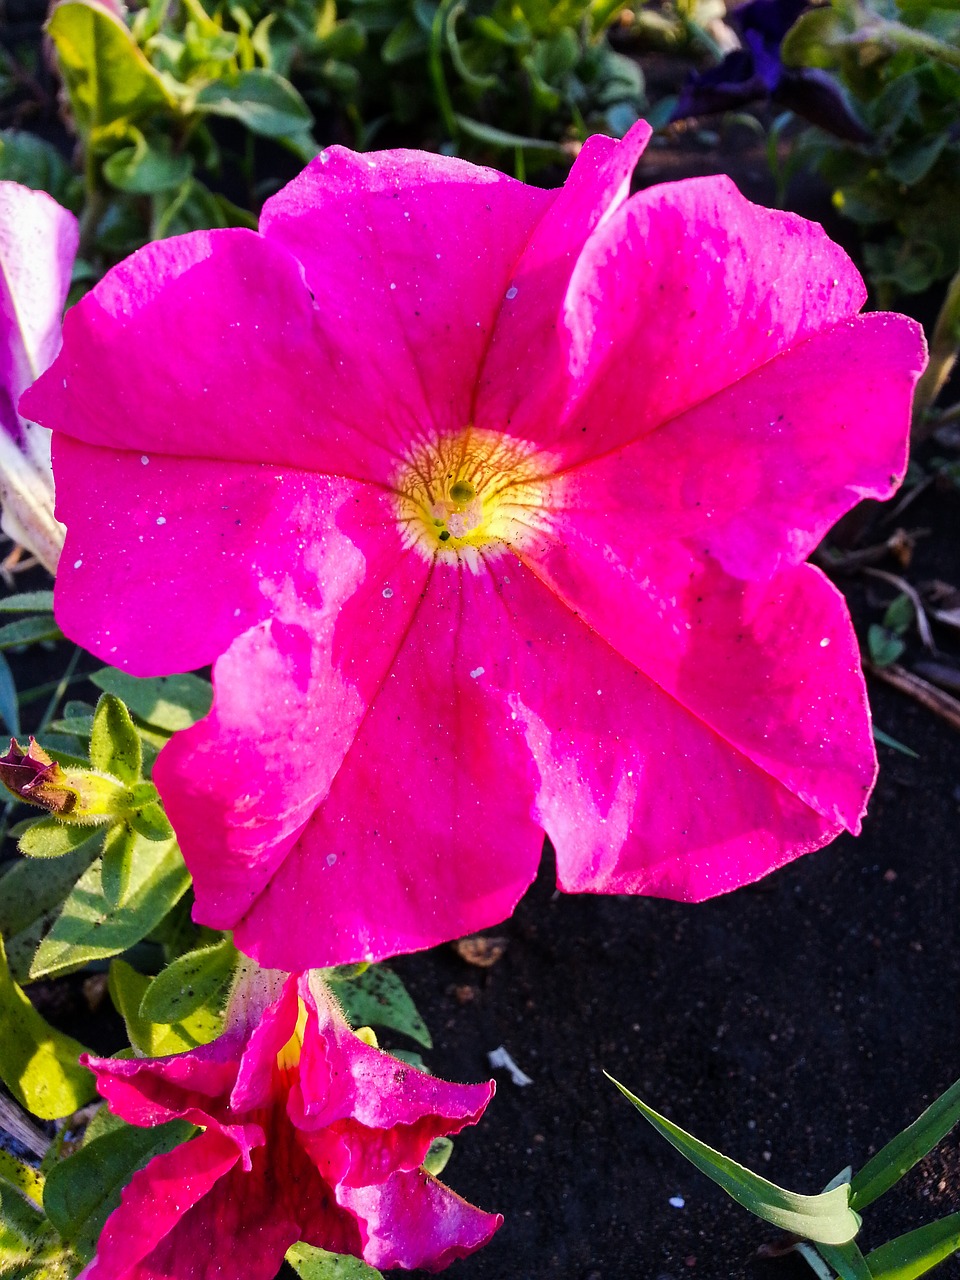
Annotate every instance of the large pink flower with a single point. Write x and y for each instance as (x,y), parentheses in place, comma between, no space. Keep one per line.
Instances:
(490,506)
(308,1135)
(38,242)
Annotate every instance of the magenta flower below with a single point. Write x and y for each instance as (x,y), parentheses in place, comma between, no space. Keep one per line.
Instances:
(309,1134)
(490,506)
(38,243)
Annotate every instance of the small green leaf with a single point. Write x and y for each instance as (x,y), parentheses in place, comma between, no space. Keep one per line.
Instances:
(378,998)
(438,1155)
(168,703)
(107,76)
(83,1190)
(509,141)
(28,602)
(119,845)
(826,1218)
(189,983)
(29,631)
(90,928)
(260,99)
(155,1040)
(916,1252)
(38,1064)
(900,615)
(887,741)
(909,1147)
(144,169)
(48,838)
(317,1264)
(114,742)
(884,646)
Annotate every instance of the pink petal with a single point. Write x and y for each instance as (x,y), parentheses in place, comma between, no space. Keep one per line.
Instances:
(246,367)
(524,378)
(154,1205)
(681,292)
(413,1220)
(38,242)
(409,256)
(290,694)
(432,804)
(384,1113)
(756,475)
(217,547)
(638,794)
(256,1084)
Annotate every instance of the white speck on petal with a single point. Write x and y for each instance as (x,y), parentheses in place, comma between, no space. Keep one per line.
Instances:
(512,292)
(145,460)
(236,613)
(388,593)
(77,564)
(161,519)
(331,859)
(824,642)
(392,285)
(477,671)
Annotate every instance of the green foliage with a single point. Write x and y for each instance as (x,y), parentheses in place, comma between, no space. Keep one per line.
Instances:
(129,989)
(84,1189)
(376,997)
(317,1264)
(899,60)
(193,981)
(826,1224)
(38,1064)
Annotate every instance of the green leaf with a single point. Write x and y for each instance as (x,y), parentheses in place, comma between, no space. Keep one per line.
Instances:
(28,602)
(48,838)
(378,998)
(119,847)
(165,702)
(260,99)
(826,1218)
(847,1260)
(317,1264)
(900,615)
(438,1155)
(502,139)
(83,1190)
(27,1180)
(9,706)
(884,646)
(36,163)
(89,927)
(886,740)
(107,77)
(909,1147)
(127,991)
(114,742)
(29,1248)
(29,631)
(37,1063)
(145,169)
(917,1252)
(30,896)
(191,982)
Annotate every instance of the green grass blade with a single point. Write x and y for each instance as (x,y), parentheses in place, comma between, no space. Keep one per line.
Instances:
(905,1150)
(847,1260)
(825,1218)
(917,1252)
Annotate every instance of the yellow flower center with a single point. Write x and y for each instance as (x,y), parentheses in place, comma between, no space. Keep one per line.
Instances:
(289,1056)
(472,494)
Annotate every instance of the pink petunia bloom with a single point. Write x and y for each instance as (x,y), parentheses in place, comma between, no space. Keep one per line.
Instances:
(38,242)
(490,506)
(309,1134)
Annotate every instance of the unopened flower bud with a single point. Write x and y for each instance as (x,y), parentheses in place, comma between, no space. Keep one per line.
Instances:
(81,796)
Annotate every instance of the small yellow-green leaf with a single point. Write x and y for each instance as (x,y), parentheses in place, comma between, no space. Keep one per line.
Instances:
(378,998)
(316,1264)
(107,76)
(50,838)
(153,1039)
(825,1218)
(38,1064)
(119,847)
(27,1180)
